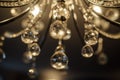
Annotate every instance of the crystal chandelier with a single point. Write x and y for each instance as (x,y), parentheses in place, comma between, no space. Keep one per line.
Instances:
(98,17)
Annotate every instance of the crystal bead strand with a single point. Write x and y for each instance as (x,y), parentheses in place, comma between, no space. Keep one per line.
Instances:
(58,30)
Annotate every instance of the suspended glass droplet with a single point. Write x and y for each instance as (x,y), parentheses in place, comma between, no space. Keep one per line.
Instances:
(68,35)
(57,30)
(87,51)
(91,37)
(59,60)
(32,72)
(34,49)
(28,58)
(102,59)
(28,37)
(61,12)
(38,26)
(2,55)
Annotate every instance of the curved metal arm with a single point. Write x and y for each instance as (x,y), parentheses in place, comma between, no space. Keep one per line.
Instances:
(14,18)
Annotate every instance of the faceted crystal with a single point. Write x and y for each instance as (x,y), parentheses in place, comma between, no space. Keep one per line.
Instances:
(87,51)
(59,60)
(91,37)
(2,55)
(34,49)
(57,30)
(60,12)
(28,37)
(32,72)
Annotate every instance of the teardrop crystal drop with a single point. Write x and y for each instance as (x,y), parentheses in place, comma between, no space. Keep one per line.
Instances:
(87,51)
(91,37)
(32,72)
(59,60)
(28,37)
(2,55)
(57,30)
(34,49)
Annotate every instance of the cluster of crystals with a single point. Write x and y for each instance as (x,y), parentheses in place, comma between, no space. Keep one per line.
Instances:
(106,3)
(90,36)
(58,30)
(32,26)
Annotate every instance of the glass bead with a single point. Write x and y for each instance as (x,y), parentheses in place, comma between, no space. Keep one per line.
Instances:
(28,58)
(87,51)
(28,37)
(32,72)
(91,37)
(34,49)
(57,30)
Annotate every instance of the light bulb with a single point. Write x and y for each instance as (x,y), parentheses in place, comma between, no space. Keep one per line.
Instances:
(28,37)
(91,37)
(34,49)
(32,72)
(87,51)
(60,12)
(2,55)
(59,60)
(57,30)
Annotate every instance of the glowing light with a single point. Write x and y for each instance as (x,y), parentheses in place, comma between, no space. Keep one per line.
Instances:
(97,9)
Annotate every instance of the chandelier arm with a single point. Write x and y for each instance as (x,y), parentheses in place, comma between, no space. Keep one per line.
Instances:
(105,4)
(14,18)
(108,35)
(8,34)
(13,4)
(105,18)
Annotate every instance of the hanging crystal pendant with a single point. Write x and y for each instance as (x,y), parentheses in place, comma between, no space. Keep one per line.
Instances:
(2,55)
(91,37)
(34,49)
(32,72)
(59,60)
(57,30)
(87,51)
(28,37)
